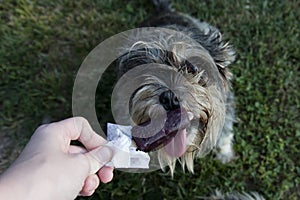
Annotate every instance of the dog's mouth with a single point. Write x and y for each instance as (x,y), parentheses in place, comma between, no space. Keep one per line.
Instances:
(168,132)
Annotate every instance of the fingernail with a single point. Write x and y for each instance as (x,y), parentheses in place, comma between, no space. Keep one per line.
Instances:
(105,154)
(91,185)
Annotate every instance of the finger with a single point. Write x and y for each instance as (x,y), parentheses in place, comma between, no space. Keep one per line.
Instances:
(78,128)
(76,149)
(90,185)
(97,158)
(106,174)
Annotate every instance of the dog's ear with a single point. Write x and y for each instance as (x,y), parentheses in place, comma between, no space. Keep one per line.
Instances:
(211,39)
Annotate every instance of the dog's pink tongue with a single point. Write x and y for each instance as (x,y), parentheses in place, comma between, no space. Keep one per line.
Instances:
(177,146)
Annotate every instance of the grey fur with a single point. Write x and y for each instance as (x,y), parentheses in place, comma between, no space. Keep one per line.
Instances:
(206,93)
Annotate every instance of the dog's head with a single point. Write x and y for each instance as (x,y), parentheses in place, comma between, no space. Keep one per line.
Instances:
(182,80)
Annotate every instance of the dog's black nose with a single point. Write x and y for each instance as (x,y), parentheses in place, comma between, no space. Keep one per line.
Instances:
(168,100)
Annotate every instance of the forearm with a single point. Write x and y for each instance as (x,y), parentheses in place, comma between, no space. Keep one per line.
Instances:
(16,184)
(23,181)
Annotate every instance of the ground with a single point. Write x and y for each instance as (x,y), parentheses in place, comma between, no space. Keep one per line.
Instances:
(43,43)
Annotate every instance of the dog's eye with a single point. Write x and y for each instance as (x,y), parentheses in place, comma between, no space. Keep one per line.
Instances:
(189,67)
(192,69)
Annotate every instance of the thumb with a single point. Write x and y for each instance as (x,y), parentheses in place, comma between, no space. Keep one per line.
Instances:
(98,158)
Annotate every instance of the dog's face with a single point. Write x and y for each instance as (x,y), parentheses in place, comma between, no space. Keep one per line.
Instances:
(181,75)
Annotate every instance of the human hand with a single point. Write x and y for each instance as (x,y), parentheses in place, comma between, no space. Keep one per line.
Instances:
(51,168)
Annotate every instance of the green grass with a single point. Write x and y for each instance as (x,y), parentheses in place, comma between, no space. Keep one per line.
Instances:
(42,44)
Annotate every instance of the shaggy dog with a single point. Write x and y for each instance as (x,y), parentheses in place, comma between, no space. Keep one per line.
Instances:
(182,106)
(185,91)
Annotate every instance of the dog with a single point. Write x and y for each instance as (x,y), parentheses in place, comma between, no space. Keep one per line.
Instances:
(193,77)
(183,70)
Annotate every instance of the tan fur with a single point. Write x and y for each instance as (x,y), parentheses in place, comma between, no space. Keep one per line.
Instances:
(204,93)
(207,105)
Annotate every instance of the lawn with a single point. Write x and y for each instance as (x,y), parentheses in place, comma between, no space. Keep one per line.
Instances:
(43,43)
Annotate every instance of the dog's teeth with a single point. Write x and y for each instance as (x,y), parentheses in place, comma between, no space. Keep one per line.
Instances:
(190,115)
